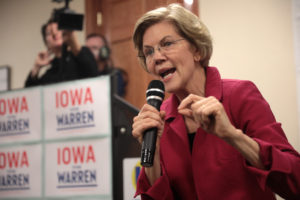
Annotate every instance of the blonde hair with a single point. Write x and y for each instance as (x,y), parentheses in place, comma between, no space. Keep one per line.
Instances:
(186,23)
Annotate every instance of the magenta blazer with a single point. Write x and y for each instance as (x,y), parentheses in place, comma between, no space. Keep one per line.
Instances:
(215,170)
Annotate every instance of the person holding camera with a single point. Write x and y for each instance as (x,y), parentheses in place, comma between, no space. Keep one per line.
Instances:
(68,60)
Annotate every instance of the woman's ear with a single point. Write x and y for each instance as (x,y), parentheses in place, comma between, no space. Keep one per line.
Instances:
(197,57)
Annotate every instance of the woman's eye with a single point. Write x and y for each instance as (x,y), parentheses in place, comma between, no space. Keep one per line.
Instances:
(166,44)
(148,52)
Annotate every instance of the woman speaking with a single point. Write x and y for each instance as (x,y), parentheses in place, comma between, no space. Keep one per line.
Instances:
(217,138)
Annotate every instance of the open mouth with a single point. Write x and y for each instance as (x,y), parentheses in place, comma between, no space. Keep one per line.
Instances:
(167,73)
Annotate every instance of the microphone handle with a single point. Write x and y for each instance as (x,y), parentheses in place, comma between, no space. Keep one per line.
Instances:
(155,103)
(148,147)
(149,139)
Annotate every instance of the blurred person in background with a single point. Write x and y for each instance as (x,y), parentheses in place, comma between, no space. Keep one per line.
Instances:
(65,57)
(98,45)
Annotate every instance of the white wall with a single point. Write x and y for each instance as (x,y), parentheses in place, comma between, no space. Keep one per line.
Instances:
(253,40)
(296,26)
(20,35)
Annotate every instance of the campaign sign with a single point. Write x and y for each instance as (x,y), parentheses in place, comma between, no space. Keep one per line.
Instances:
(20,115)
(131,172)
(78,108)
(20,171)
(79,168)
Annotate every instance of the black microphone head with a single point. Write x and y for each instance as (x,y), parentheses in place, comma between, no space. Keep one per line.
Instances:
(155,91)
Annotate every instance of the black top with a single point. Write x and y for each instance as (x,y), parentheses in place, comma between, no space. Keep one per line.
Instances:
(67,68)
(191,140)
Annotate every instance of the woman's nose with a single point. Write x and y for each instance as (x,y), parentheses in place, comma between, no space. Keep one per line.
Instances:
(158,53)
(159,58)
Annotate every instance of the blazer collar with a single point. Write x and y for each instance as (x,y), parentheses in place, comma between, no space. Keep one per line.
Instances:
(213,87)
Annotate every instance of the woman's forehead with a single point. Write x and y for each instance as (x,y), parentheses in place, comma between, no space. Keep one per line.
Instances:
(158,31)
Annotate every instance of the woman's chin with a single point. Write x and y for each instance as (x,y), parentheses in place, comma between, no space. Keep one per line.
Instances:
(170,88)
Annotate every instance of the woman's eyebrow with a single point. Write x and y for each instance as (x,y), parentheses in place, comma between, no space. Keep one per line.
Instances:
(165,37)
(147,46)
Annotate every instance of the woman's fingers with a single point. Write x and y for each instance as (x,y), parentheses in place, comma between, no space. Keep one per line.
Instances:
(186,112)
(148,118)
(184,107)
(186,102)
(202,110)
(140,126)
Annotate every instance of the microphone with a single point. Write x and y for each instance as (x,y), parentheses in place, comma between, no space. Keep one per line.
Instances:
(155,95)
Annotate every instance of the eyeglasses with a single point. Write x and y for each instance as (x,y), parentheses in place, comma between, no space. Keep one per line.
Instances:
(164,46)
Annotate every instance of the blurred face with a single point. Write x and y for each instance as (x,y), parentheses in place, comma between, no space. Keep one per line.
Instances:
(54,37)
(95,44)
(170,58)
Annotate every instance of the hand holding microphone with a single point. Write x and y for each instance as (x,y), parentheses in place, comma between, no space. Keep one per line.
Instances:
(149,123)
